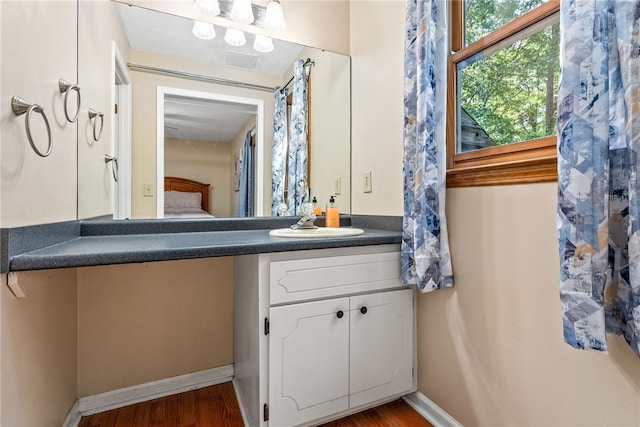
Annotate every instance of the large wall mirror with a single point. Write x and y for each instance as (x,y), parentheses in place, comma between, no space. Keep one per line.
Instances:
(194,109)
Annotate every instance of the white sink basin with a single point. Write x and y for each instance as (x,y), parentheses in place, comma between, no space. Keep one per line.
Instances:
(316,233)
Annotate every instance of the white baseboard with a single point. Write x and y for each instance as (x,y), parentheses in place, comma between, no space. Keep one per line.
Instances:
(430,411)
(152,390)
(73,417)
(243,412)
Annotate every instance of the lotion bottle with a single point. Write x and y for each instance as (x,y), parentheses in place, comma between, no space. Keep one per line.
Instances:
(317,210)
(332,214)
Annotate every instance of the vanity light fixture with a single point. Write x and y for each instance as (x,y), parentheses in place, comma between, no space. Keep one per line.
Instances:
(274,18)
(263,44)
(207,7)
(234,37)
(203,30)
(242,12)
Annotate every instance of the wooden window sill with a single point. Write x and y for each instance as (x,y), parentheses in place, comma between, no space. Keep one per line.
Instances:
(523,163)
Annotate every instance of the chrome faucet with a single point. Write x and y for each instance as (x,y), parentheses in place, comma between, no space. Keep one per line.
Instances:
(308,217)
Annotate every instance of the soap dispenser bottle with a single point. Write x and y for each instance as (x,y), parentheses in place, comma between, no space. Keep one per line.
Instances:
(332,215)
(317,210)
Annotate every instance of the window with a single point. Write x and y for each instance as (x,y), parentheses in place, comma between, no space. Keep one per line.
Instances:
(503,80)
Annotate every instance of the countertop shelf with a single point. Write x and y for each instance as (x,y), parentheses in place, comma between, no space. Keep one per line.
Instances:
(78,247)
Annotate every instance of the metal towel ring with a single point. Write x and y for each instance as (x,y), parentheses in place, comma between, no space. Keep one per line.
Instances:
(92,114)
(20,107)
(66,87)
(114,167)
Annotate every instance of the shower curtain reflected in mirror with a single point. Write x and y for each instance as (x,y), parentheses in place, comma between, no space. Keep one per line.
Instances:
(290,153)
(279,154)
(246,200)
(297,172)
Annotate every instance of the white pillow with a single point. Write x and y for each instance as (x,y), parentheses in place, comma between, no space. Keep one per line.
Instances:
(182,200)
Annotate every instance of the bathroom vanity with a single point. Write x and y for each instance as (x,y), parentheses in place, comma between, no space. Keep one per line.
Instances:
(323,327)
(320,334)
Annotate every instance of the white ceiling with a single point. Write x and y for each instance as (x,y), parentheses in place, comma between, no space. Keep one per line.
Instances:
(203,119)
(170,35)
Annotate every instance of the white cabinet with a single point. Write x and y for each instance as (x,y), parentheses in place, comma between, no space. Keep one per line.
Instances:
(329,356)
(321,334)
(308,361)
(381,345)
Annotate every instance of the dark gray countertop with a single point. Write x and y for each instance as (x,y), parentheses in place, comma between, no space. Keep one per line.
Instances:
(118,242)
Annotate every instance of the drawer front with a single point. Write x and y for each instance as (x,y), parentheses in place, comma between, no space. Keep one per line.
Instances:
(303,279)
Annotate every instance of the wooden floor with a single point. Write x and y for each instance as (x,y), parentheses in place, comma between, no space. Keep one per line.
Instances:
(217,406)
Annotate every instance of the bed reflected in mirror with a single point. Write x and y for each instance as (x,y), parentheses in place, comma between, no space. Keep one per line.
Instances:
(186,198)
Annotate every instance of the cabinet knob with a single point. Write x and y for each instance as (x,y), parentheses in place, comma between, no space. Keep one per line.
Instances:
(363,310)
(340,313)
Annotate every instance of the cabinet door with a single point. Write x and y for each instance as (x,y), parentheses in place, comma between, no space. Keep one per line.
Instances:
(308,361)
(381,345)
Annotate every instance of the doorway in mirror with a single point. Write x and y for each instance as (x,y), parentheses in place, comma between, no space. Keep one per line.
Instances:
(201,136)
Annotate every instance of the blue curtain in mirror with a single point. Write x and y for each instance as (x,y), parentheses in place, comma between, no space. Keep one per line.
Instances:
(279,153)
(298,143)
(245,196)
(598,186)
(426,260)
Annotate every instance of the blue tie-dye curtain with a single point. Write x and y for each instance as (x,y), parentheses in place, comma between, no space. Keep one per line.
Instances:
(244,197)
(279,151)
(298,147)
(598,147)
(426,260)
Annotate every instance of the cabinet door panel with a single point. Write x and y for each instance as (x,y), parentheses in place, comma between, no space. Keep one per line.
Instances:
(381,357)
(308,361)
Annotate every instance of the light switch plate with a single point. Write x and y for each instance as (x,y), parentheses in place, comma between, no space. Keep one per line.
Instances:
(148,190)
(337,185)
(368,188)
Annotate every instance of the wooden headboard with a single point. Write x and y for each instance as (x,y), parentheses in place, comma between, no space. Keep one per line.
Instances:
(172,183)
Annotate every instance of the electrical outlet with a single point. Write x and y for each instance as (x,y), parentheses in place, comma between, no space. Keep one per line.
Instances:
(337,185)
(368,188)
(148,189)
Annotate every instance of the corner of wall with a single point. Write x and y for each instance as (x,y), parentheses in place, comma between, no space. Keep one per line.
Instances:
(377,105)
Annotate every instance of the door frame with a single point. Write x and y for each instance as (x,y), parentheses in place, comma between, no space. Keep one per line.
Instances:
(121,93)
(162,91)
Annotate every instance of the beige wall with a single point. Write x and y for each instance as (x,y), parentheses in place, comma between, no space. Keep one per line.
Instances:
(39,349)
(490,348)
(329,126)
(144,322)
(204,161)
(377,105)
(145,85)
(89,330)
(29,194)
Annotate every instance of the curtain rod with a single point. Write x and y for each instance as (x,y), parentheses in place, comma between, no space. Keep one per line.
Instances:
(200,77)
(308,62)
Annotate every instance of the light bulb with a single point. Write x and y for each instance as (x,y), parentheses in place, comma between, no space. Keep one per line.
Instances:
(263,44)
(241,11)
(203,30)
(234,37)
(274,18)
(207,7)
